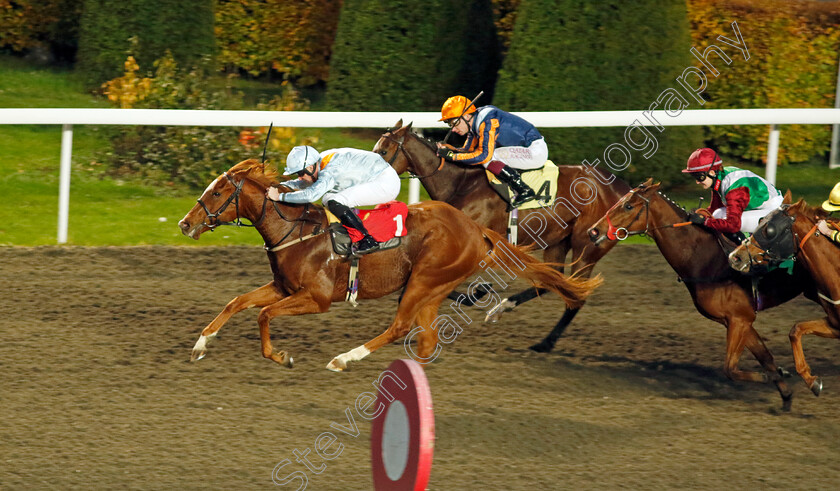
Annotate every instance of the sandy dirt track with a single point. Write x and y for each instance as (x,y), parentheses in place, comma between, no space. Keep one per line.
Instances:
(96,390)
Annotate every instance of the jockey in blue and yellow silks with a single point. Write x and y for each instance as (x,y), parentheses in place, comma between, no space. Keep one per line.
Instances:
(498,140)
(342,178)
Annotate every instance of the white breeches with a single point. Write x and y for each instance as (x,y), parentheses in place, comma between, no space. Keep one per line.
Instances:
(749,219)
(382,188)
(525,158)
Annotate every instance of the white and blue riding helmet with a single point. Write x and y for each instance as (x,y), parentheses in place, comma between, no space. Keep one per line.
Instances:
(300,158)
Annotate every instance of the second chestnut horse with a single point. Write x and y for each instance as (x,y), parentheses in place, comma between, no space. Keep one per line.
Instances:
(441,249)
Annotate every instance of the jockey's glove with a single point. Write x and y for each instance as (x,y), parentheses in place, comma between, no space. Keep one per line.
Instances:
(696,218)
(445,153)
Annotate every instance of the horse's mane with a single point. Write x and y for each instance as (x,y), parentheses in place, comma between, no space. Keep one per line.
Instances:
(803,208)
(677,207)
(422,139)
(261,172)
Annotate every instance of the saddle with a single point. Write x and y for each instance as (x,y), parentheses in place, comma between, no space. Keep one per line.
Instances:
(542,180)
(386,223)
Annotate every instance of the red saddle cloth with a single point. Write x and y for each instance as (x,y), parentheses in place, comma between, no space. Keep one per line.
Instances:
(384,222)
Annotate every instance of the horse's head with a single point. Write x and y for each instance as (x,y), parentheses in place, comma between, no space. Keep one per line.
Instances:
(774,241)
(627,216)
(222,201)
(390,148)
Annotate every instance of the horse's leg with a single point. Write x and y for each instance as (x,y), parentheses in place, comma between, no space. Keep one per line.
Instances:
(820,328)
(737,332)
(262,296)
(554,254)
(427,340)
(759,350)
(301,302)
(581,267)
(416,297)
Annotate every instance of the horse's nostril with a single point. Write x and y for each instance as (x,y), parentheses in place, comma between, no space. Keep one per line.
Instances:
(184,224)
(594,232)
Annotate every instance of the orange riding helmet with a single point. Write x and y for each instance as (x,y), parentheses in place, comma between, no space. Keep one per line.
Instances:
(454,108)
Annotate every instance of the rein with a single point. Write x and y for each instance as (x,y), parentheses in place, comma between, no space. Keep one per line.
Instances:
(411,175)
(234,198)
(615,233)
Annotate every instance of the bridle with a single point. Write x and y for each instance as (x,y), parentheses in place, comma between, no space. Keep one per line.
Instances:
(621,233)
(401,148)
(234,198)
(615,233)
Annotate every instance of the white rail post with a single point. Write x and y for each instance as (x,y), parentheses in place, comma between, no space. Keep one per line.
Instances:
(772,154)
(64,182)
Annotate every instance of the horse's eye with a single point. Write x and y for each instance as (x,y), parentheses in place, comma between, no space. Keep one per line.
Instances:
(628,206)
(217,194)
(382,152)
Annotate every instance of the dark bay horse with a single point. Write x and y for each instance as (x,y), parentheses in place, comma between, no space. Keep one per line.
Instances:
(584,194)
(719,293)
(818,256)
(443,247)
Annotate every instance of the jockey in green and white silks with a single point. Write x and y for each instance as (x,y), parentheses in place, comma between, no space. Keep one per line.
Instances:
(740,198)
(763,196)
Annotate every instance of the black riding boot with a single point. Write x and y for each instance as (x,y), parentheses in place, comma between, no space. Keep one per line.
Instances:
(368,243)
(350,219)
(511,177)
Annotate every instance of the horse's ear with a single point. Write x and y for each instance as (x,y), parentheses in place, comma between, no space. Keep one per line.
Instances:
(397,126)
(408,126)
(788,199)
(647,183)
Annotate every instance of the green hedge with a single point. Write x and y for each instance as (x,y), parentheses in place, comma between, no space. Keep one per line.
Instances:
(402,55)
(185,28)
(575,55)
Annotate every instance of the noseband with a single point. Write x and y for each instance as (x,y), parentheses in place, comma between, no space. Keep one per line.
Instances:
(621,233)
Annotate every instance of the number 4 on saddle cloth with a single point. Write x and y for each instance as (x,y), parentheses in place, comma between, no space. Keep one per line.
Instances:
(386,223)
(544,183)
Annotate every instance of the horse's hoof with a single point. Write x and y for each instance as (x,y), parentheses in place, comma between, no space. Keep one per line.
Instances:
(197,355)
(816,386)
(542,347)
(336,365)
(494,314)
(783,373)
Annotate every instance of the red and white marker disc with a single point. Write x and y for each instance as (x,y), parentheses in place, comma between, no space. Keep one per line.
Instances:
(403,436)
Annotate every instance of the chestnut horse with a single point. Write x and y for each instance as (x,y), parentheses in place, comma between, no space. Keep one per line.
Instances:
(821,259)
(442,248)
(560,227)
(719,293)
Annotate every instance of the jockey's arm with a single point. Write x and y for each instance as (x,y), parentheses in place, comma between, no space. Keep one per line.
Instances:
(313,193)
(296,184)
(829,229)
(736,202)
(486,145)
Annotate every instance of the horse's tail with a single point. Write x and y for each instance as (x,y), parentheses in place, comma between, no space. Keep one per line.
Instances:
(516,261)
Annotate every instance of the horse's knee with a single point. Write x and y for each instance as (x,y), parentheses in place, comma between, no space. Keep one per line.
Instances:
(795,332)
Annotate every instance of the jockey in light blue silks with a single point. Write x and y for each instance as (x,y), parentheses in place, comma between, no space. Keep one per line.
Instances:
(342,178)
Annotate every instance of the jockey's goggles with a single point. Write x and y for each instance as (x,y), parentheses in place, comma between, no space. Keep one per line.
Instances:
(699,176)
(305,172)
(453,122)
